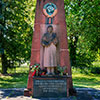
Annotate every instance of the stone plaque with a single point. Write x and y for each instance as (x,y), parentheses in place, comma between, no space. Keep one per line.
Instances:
(49,87)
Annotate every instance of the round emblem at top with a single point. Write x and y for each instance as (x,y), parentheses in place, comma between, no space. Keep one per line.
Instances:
(50,10)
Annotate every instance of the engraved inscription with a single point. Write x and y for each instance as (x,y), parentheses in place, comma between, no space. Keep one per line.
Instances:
(49,87)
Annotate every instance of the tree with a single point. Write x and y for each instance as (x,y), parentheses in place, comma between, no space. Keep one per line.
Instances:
(82,17)
(16,40)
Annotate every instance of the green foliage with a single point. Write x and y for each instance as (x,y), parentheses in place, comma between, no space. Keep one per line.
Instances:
(98,55)
(61,70)
(82,17)
(17,18)
(95,69)
(19,24)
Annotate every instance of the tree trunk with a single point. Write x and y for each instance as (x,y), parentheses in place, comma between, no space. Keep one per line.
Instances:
(73,46)
(4,64)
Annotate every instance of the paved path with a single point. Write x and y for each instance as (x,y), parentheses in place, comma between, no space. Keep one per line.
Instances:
(82,94)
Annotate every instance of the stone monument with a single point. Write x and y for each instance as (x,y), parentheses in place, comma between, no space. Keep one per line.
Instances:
(50,49)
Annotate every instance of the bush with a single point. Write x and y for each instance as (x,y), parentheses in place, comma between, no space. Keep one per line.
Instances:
(95,70)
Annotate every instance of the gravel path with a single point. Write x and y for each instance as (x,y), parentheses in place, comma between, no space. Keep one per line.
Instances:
(82,94)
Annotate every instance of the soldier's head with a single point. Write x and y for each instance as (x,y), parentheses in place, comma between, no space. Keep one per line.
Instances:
(50,28)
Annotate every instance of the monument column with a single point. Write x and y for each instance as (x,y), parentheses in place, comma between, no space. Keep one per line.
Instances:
(58,20)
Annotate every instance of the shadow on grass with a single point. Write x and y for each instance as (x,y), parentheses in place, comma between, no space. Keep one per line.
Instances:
(87,81)
(17,80)
(11,93)
(83,95)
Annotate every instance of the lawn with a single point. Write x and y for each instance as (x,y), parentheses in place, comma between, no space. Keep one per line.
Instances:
(87,81)
(16,79)
(19,78)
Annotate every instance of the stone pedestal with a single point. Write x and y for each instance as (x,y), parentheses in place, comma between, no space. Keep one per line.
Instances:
(50,86)
(59,24)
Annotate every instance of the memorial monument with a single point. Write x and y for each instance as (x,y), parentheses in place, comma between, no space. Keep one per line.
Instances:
(50,50)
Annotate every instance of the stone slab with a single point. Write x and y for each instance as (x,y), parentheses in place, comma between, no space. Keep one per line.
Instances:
(49,87)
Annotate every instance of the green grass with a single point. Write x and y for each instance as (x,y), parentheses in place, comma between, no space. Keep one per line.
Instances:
(19,79)
(16,79)
(86,80)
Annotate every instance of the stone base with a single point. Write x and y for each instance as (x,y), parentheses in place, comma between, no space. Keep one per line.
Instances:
(50,86)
